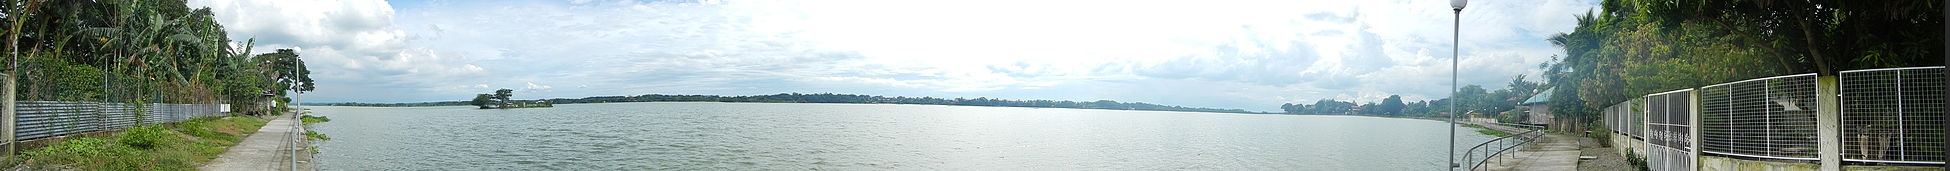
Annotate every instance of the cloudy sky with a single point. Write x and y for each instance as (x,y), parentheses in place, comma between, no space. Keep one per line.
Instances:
(1247,54)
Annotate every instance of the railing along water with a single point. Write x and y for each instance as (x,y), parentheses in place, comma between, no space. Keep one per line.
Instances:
(1500,145)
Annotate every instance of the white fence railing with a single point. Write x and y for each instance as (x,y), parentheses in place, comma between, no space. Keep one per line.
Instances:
(1892,115)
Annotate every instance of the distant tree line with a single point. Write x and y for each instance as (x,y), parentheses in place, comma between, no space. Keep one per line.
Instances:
(1473,99)
(842,98)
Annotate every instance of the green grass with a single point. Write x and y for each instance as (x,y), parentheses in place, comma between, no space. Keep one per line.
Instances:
(1486,131)
(174,146)
(316,136)
(1492,132)
(308,119)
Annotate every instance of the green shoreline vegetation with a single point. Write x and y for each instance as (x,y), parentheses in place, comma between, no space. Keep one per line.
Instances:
(314,135)
(171,146)
(1487,131)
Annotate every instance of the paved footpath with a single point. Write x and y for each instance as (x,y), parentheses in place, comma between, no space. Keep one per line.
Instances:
(268,149)
(1552,152)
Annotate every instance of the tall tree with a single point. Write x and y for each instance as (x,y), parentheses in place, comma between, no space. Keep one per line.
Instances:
(482,100)
(287,71)
(504,96)
(1392,106)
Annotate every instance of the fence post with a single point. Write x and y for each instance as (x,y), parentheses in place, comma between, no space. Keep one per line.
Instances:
(1692,130)
(8,116)
(1828,121)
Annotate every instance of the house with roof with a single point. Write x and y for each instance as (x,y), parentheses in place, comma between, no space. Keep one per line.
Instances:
(1540,109)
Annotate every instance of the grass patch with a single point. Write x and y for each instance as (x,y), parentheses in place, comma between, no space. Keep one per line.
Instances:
(1492,132)
(1487,131)
(314,135)
(173,146)
(308,119)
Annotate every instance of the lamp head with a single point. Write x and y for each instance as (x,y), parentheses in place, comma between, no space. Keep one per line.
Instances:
(1458,4)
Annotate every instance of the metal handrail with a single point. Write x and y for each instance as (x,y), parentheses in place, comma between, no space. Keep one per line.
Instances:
(1521,139)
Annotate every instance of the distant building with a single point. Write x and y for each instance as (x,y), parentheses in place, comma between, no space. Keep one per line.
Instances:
(1540,109)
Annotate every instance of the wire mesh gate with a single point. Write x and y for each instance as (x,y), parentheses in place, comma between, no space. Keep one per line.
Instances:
(1893,115)
(1669,130)
(1764,118)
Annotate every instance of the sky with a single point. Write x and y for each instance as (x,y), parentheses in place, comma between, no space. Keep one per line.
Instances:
(1240,54)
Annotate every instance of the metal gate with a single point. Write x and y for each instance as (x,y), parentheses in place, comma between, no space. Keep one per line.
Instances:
(1669,130)
(1893,115)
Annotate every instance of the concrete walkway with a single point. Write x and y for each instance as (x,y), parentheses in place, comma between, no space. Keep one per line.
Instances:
(1551,152)
(268,149)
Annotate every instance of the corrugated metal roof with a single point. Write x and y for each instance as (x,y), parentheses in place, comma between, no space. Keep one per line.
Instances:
(1541,97)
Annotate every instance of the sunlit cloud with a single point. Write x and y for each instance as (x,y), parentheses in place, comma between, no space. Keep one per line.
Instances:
(1231,54)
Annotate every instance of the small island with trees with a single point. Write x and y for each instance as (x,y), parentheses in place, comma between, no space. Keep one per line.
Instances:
(501,99)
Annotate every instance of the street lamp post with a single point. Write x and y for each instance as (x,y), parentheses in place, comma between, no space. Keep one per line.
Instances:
(1455,59)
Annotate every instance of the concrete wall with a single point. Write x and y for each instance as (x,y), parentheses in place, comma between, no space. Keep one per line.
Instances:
(1717,163)
(1539,114)
(1623,142)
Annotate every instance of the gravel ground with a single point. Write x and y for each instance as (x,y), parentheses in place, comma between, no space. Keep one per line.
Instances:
(1608,158)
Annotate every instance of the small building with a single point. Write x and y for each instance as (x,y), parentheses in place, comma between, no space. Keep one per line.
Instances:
(1540,109)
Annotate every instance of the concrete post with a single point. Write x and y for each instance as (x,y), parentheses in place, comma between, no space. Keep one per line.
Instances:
(1692,127)
(1828,119)
(10,116)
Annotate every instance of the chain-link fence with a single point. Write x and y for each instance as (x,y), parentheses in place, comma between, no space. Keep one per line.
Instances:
(1766,118)
(1893,115)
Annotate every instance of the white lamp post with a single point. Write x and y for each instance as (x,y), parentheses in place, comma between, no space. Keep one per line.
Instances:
(1454,61)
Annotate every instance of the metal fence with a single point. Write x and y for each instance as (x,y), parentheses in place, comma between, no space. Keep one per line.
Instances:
(1893,115)
(41,119)
(1621,118)
(1766,118)
(1668,131)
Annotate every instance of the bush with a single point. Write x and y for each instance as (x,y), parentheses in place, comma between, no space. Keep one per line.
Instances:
(1600,133)
(1517,115)
(74,147)
(144,137)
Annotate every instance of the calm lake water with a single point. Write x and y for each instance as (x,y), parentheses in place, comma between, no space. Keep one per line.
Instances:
(763,136)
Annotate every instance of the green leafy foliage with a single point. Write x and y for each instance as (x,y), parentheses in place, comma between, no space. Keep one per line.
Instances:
(1637,47)
(138,52)
(144,137)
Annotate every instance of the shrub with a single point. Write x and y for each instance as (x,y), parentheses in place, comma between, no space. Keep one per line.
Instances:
(74,147)
(1600,133)
(144,137)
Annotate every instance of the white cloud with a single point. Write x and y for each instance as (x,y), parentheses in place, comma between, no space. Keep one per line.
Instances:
(345,42)
(1227,53)
(537,87)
